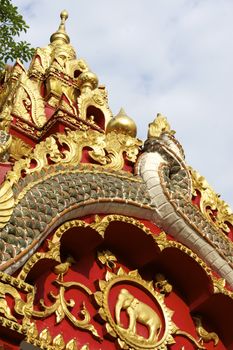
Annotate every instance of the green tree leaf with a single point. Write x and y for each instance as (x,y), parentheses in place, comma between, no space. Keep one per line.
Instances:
(12,25)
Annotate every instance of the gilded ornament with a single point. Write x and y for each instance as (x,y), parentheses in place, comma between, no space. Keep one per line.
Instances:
(122,124)
(204,335)
(6,202)
(63,268)
(18,148)
(61,308)
(100,225)
(87,81)
(219,285)
(6,108)
(45,337)
(140,312)
(95,98)
(72,345)
(162,284)
(58,342)
(159,126)
(158,322)
(60,35)
(53,253)
(67,105)
(107,150)
(28,103)
(4,308)
(120,145)
(214,209)
(107,258)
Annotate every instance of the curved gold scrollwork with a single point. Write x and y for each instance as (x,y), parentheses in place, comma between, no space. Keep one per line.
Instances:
(212,206)
(107,150)
(28,103)
(6,202)
(61,308)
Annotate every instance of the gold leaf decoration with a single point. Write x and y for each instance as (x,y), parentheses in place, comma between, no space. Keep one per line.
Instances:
(72,345)
(108,150)
(58,342)
(28,103)
(45,337)
(6,203)
(212,206)
(19,148)
(107,258)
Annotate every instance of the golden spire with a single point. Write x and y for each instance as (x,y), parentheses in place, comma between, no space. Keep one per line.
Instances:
(60,34)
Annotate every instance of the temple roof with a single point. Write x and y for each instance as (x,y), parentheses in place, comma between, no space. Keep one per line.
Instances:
(55,120)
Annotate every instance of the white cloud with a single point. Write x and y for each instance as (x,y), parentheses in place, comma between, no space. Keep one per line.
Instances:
(169,56)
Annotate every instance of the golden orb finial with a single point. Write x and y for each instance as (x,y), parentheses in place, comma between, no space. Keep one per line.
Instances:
(60,35)
(64,15)
(122,123)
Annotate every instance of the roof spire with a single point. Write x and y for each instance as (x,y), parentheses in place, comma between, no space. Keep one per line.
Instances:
(60,34)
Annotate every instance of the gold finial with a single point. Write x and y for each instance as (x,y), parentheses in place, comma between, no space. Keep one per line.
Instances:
(61,34)
(159,126)
(122,123)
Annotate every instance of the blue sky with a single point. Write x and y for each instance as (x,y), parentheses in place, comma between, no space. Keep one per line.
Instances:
(168,56)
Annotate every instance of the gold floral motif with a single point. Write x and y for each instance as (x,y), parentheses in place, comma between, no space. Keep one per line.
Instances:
(107,258)
(58,342)
(45,337)
(121,144)
(219,285)
(100,225)
(44,340)
(19,148)
(61,307)
(212,207)
(103,150)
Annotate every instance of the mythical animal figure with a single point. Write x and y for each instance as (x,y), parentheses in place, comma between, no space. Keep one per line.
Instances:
(162,166)
(138,312)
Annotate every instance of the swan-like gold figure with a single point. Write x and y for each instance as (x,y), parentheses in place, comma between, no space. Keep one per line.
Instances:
(203,334)
(63,268)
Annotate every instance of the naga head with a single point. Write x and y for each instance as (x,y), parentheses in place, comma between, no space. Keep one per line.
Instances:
(161,134)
